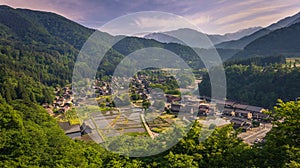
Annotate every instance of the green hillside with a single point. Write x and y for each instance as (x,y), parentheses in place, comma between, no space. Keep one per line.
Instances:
(284,42)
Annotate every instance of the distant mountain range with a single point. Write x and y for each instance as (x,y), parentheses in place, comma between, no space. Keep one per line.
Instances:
(279,38)
(198,39)
(244,41)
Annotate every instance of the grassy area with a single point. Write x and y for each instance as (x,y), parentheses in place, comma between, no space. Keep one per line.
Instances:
(74,121)
(158,129)
(165,116)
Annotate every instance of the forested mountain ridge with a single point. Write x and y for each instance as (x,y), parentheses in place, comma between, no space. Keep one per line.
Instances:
(46,45)
(244,41)
(34,43)
(43,27)
(284,41)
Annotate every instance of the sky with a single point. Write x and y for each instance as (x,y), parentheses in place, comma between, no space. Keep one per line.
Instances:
(211,16)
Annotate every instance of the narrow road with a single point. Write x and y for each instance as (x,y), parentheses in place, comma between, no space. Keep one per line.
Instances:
(151,134)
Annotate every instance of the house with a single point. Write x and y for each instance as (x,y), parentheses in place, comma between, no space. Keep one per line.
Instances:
(189,109)
(206,98)
(203,109)
(202,101)
(72,131)
(87,127)
(175,108)
(228,112)
(171,99)
(243,114)
(255,109)
(260,116)
(239,106)
(229,104)
(241,123)
(257,112)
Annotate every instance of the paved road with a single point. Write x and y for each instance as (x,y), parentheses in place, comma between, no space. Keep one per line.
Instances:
(250,136)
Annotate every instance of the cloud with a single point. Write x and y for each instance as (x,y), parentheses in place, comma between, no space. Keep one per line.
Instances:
(218,16)
(199,18)
(150,21)
(69,9)
(263,20)
(250,12)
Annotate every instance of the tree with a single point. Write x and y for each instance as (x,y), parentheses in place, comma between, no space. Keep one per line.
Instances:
(282,147)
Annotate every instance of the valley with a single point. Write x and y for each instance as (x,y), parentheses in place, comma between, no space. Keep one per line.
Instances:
(152,118)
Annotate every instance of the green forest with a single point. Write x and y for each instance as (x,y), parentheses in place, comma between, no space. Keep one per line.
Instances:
(259,85)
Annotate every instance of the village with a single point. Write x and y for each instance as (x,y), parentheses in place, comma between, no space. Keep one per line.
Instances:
(150,111)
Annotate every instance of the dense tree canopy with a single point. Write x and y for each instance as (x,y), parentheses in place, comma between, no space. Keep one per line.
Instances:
(257,85)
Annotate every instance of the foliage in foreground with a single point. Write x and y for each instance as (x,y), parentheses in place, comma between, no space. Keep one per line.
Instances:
(31,138)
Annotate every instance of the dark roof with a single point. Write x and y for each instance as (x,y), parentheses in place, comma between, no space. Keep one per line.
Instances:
(227,110)
(241,120)
(241,111)
(237,121)
(173,98)
(240,106)
(69,128)
(254,109)
(175,107)
(203,109)
(229,103)
(204,106)
(261,115)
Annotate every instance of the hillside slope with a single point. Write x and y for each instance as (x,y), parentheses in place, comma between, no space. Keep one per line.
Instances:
(283,41)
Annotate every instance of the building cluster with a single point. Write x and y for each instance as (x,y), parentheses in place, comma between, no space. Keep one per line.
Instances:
(102,88)
(140,85)
(189,107)
(63,101)
(242,116)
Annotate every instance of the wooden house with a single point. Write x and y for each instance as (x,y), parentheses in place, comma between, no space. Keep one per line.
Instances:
(241,123)
(72,131)
(228,112)
(243,114)
(175,108)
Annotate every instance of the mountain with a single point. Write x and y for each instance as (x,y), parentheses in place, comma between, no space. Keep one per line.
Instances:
(284,41)
(44,46)
(286,22)
(244,41)
(195,38)
(164,38)
(198,39)
(241,33)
